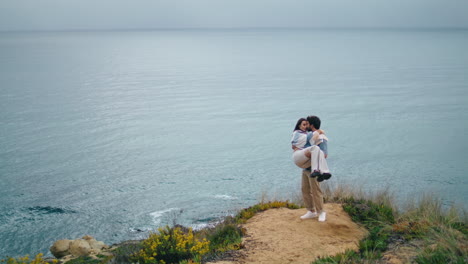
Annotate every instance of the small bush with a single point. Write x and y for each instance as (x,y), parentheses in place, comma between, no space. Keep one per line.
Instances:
(171,245)
(126,252)
(26,260)
(368,212)
(228,237)
(376,241)
(411,230)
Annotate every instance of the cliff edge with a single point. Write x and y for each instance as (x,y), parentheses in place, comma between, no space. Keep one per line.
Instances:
(279,236)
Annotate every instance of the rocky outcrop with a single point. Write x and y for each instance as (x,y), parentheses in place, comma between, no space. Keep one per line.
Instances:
(61,248)
(86,246)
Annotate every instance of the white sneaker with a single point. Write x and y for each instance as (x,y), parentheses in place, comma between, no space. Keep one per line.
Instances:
(322,217)
(309,215)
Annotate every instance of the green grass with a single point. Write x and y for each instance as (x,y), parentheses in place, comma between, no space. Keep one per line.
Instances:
(225,238)
(377,218)
(124,253)
(441,254)
(443,231)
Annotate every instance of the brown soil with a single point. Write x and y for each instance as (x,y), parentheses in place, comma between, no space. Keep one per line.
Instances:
(280,236)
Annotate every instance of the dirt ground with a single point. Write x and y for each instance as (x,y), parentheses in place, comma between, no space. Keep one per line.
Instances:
(279,236)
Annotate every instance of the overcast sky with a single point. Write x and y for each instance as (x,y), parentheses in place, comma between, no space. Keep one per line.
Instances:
(148,14)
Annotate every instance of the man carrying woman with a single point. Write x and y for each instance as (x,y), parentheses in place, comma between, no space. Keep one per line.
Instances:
(310,147)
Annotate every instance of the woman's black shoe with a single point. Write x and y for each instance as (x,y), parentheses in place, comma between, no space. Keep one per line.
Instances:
(315,174)
(320,178)
(326,176)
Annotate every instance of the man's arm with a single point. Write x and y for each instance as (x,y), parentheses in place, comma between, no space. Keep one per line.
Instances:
(324,147)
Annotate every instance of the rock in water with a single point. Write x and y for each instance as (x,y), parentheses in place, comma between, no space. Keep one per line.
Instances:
(80,247)
(61,248)
(88,237)
(86,246)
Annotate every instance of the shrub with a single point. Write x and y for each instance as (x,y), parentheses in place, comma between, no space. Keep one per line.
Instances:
(368,212)
(228,237)
(171,245)
(25,260)
(413,229)
(126,252)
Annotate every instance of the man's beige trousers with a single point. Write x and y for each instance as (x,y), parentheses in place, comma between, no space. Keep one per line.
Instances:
(311,192)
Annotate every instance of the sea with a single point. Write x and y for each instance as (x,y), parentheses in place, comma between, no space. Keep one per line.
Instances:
(116,133)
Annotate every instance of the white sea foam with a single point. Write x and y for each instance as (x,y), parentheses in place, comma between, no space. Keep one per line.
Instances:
(157,215)
(204,225)
(225,197)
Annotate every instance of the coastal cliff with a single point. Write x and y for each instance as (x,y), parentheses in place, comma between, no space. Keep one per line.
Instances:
(357,230)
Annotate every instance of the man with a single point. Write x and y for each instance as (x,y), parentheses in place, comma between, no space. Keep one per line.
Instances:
(311,192)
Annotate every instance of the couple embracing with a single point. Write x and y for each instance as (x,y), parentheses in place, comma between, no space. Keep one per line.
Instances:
(310,146)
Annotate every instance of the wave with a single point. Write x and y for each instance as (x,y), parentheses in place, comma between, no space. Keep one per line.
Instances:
(157,215)
(225,197)
(203,225)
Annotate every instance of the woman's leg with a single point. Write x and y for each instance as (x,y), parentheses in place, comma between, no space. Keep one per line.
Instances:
(314,158)
(300,159)
(317,162)
(322,163)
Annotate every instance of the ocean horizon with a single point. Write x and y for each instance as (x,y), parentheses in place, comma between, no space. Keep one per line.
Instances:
(116,133)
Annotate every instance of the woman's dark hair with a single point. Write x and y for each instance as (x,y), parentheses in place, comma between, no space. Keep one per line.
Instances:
(298,124)
(314,121)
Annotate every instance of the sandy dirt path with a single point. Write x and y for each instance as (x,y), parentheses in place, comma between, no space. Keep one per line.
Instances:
(279,236)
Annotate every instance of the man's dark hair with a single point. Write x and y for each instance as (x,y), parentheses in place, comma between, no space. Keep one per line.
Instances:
(315,121)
